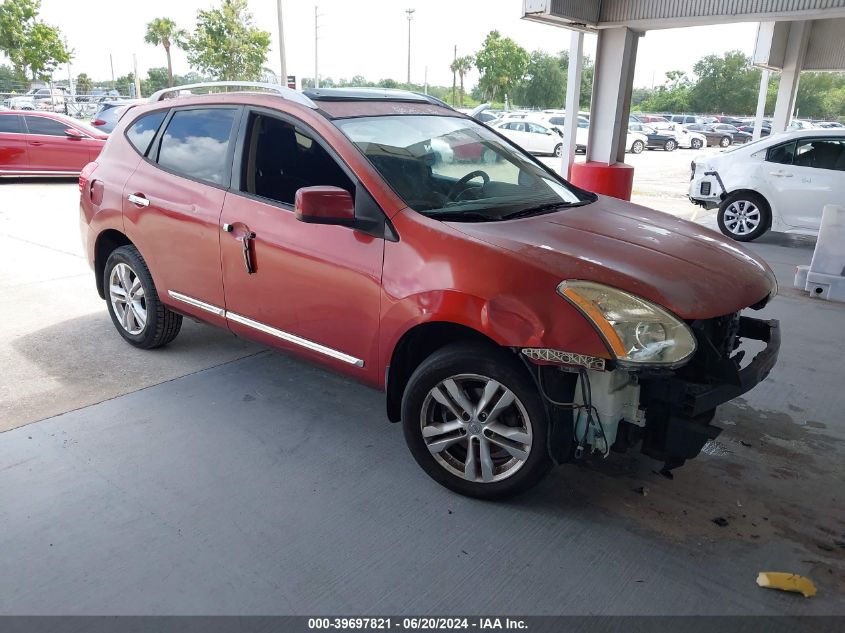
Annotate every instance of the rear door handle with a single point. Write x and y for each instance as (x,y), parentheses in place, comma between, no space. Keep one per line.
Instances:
(138,199)
(36,143)
(781,174)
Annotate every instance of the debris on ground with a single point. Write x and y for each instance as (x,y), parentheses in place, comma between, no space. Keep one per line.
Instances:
(642,490)
(786,582)
(744,443)
(720,521)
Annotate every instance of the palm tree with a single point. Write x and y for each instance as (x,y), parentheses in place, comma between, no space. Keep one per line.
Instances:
(164,32)
(462,65)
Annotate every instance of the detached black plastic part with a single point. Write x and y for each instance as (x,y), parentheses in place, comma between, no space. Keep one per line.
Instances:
(679,409)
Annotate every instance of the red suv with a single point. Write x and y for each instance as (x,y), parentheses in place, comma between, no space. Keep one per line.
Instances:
(513,319)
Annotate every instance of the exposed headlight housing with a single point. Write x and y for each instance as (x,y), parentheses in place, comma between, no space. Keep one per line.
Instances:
(637,332)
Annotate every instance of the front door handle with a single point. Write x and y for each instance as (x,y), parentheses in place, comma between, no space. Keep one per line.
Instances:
(781,174)
(246,242)
(138,199)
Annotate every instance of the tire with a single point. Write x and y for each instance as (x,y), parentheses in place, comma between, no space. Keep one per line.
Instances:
(725,141)
(558,149)
(744,216)
(670,145)
(467,370)
(143,322)
(696,143)
(637,147)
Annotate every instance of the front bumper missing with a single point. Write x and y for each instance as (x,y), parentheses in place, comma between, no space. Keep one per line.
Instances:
(679,409)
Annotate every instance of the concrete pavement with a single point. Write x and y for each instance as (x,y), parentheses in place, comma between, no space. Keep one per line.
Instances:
(219,478)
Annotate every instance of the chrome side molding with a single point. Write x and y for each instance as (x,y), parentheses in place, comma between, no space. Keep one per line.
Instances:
(262,327)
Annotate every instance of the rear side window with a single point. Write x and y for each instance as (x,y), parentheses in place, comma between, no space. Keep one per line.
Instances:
(10,124)
(141,133)
(196,144)
(781,153)
(820,154)
(43,125)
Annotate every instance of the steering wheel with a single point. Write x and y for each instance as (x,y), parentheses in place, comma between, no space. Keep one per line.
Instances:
(460,186)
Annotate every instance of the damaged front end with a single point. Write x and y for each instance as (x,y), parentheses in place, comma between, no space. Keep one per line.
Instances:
(667,409)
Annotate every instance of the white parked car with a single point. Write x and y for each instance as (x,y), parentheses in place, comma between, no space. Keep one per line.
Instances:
(688,139)
(38,99)
(558,121)
(635,142)
(781,182)
(535,138)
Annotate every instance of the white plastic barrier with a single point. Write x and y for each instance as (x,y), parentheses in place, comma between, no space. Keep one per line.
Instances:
(825,277)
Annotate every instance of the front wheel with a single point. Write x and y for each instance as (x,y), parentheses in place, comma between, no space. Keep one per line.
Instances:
(696,143)
(725,142)
(475,423)
(558,149)
(637,147)
(135,309)
(744,216)
(670,146)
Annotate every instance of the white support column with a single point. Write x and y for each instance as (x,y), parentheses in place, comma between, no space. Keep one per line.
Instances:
(793,62)
(573,98)
(761,104)
(616,56)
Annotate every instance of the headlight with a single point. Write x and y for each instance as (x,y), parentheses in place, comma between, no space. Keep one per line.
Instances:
(637,331)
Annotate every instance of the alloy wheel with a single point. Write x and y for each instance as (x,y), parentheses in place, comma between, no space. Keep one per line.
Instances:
(476,428)
(742,217)
(127,299)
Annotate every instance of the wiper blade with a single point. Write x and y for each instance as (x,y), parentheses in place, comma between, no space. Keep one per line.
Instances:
(542,208)
(459,216)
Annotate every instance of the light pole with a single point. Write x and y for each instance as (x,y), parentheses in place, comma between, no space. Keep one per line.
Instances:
(410,13)
(284,70)
(316,26)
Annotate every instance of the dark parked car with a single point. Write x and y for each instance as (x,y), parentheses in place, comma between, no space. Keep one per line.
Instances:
(714,137)
(739,136)
(749,129)
(109,112)
(656,139)
(685,119)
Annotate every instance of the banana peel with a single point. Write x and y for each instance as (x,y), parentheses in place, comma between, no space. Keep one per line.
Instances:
(786,582)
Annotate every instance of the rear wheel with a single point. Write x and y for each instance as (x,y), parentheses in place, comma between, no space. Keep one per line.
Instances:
(637,147)
(725,141)
(475,423)
(670,146)
(133,303)
(744,216)
(696,143)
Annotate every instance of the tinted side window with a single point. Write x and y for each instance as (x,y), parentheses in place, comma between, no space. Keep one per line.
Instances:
(557,120)
(140,133)
(196,144)
(279,159)
(43,125)
(820,154)
(781,153)
(10,124)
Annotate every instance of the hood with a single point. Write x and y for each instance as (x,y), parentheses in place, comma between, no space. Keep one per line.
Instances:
(686,268)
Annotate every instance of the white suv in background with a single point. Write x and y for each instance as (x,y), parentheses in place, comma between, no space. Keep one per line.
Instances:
(781,182)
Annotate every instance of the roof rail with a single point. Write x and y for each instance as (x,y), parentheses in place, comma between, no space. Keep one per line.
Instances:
(371,94)
(282,91)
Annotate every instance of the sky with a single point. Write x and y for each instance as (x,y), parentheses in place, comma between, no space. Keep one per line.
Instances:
(367,37)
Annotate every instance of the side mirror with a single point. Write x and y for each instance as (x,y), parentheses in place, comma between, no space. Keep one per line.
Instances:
(73,134)
(324,205)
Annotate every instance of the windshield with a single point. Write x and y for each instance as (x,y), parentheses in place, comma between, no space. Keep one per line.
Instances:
(453,168)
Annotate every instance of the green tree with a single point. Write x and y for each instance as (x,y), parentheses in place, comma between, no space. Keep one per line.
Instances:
(84,84)
(31,45)
(672,96)
(544,85)
(157,79)
(16,18)
(462,65)
(164,32)
(125,84)
(726,83)
(226,45)
(502,63)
